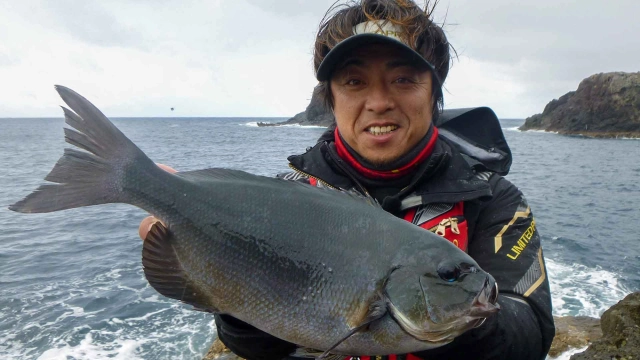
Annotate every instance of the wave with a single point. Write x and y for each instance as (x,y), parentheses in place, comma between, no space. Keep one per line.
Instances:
(514,128)
(255,124)
(88,348)
(567,354)
(578,290)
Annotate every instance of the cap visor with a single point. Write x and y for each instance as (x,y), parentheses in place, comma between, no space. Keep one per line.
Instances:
(337,54)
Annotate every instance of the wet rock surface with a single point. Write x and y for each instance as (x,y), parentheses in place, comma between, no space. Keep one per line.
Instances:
(604,105)
(220,352)
(620,332)
(574,332)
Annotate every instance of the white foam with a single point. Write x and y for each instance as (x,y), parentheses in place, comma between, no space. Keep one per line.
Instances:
(541,131)
(146,316)
(567,354)
(303,126)
(578,290)
(255,124)
(75,312)
(88,349)
(515,128)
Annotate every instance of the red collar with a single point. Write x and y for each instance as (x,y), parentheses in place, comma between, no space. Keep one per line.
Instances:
(344,153)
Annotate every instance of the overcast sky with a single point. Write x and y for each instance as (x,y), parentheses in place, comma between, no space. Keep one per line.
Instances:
(252,58)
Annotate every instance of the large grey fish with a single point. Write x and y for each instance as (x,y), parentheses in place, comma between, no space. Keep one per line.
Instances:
(324,269)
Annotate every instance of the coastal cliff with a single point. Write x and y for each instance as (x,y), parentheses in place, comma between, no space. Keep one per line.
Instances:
(604,105)
(316,114)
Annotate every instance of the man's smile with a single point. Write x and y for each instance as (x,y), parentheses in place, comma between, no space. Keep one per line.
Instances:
(381,130)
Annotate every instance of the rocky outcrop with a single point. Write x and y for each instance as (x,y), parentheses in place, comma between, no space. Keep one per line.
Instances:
(620,332)
(604,105)
(574,332)
(220,352)
(316,114)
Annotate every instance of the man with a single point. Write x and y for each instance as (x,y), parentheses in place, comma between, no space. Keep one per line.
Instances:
(380,66)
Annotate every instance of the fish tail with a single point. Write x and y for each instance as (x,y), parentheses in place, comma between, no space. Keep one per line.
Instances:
(91,177)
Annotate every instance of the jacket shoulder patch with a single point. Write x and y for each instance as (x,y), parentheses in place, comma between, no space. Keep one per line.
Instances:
(429,212)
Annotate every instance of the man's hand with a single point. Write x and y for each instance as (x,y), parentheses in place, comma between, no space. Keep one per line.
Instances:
(148,222)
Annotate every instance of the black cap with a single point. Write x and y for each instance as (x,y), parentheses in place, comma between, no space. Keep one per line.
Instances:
(367,33)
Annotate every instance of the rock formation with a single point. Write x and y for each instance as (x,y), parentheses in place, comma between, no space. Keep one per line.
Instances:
(315,114)
(220,352)
(620,332)
(604,105)
(574,332)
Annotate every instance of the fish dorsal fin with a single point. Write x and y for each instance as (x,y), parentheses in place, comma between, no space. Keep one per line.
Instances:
(164,271)
(239,175)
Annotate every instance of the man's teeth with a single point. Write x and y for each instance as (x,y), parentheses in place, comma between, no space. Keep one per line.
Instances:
(381,130)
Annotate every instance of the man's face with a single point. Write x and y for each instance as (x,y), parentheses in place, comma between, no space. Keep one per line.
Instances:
(382,103)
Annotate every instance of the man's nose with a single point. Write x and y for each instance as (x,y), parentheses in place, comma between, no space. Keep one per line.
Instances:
(379,99)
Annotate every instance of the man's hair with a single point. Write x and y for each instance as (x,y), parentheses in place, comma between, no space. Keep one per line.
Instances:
(422,34)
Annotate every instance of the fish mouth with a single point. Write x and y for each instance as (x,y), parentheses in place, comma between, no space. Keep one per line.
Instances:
(486,302)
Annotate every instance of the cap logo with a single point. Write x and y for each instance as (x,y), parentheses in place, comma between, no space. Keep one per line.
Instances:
(380,27)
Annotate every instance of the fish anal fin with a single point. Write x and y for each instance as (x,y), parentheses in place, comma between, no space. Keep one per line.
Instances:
(165,273)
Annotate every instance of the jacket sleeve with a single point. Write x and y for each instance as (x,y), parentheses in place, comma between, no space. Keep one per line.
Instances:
(505,243)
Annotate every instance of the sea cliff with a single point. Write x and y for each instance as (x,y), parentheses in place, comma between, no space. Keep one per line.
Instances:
(316,114)
(604,105)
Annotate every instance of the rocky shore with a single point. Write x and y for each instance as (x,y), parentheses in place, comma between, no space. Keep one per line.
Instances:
(316,114)
(604,105)
(615,336)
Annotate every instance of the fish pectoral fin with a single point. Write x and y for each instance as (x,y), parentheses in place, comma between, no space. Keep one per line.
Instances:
(165,273)
(377,309)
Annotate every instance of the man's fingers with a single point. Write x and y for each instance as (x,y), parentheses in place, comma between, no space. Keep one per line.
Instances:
(145,226)
(147,223)
(167,168)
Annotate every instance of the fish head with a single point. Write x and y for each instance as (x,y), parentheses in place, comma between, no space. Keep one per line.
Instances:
(436,303)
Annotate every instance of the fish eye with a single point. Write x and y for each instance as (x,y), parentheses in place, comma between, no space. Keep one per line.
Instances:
(449,272)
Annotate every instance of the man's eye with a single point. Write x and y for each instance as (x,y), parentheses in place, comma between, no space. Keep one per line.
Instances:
(404,80)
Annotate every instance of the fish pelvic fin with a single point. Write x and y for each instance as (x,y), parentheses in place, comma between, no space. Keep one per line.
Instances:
(91,177)
(315,354)
(164,271)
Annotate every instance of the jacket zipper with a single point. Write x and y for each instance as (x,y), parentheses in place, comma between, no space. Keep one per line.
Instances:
(451,222)
(338,161)
(313,177)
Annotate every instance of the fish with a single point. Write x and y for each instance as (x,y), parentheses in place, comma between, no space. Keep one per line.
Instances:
(328,270)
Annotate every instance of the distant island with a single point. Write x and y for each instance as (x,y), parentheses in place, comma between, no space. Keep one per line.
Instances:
(316,114)
(604,105)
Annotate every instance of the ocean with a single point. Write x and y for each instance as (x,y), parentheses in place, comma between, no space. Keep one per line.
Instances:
(71,282)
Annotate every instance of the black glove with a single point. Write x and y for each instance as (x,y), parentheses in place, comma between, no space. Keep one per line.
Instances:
(249,342)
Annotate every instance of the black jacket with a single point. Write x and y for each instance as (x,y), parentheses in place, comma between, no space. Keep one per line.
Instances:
(502,238)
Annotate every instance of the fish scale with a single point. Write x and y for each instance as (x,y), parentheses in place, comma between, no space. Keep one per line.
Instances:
(321,268)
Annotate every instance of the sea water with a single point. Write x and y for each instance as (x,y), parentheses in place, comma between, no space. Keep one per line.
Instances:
(72,285)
